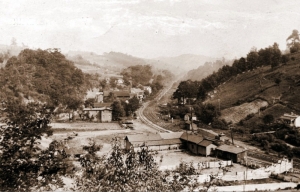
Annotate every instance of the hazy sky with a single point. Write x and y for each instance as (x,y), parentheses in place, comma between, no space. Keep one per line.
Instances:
(150,29)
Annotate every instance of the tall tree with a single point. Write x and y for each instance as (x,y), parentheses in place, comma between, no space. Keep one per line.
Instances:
(293,41)
(276,55)
(117,110)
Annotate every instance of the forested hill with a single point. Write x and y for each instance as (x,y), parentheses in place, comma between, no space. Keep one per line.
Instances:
(42,75)
(265,82)
(205,70)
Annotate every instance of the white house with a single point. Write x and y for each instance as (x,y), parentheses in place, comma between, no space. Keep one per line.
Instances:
(148,88)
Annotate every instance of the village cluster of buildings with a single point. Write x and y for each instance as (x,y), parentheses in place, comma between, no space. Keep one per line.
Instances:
(101,110)
(196,144)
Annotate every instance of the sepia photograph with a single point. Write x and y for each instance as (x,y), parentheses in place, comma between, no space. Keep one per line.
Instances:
(149,95)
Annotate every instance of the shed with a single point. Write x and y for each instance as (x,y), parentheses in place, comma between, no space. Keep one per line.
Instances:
(230,152)
(206,147)
(139,140)
(191,142)
(154,141)
(103,114)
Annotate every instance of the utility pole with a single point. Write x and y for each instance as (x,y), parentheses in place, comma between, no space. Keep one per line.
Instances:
(191,108)
(231,133)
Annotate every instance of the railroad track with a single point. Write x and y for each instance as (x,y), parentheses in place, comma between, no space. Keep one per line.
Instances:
(147,121)
(149,117)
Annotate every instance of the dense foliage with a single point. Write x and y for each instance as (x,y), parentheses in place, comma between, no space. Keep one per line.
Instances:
(293,41)
(120,171)
(270,56)
(45,76)
(278,141)
(124,108)
(24,166)
(140,74)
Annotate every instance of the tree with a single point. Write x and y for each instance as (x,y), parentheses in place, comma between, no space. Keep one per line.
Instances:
(207,113)
(121,171)
(73,104)
(293,41)
(89,102)
(186,89)
(267,119)
(117,110)
(113,82)
(131,106)
(293,38)
(23,165)
(285,59)
(276,55)
(252,58)
(103,84)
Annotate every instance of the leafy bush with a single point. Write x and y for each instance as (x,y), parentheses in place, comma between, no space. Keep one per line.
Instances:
(219,124)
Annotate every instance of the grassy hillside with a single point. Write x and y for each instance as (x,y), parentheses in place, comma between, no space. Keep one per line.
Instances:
(263,83)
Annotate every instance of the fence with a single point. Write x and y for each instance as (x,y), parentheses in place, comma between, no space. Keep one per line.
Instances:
(282,166)
(203,165)
(256,187)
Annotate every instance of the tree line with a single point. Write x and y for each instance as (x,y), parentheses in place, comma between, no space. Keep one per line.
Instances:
(199,89)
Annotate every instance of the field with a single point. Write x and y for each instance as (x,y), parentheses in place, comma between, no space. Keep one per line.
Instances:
(84,126)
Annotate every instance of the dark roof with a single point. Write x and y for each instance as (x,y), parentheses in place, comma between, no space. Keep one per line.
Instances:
(121,94)
(205,143)
(97,109)
(157,142)
(163,142)
(99,105)
(140,137)
(231,149)
(191,138)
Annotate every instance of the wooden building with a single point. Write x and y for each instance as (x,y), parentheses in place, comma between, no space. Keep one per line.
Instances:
(158,142)
(230,152)
(206,148)
(103,114)
(198,144)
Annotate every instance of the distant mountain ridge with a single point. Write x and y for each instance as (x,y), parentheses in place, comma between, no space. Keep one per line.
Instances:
(176,65)
(186,61)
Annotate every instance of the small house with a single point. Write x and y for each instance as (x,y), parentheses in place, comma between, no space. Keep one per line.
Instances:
(138,93)
(198,144)
(103,114)
(148,88)
(230,152)
(289,118)
(190,116)
(191,142)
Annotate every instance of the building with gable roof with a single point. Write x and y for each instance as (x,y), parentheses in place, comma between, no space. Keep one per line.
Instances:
(230,152)
(161,141)
(103,114)
(198,144)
